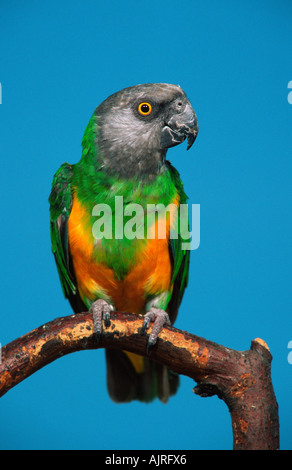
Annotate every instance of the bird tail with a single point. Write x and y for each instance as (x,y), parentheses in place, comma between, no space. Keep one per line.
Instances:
(132,377)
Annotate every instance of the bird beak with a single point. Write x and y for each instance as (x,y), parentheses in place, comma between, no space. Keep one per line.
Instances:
(181,126)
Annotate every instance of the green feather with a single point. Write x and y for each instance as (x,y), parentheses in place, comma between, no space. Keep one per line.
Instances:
(60,207)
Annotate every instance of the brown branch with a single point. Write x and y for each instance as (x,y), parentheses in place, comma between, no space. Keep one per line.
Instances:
(241,378)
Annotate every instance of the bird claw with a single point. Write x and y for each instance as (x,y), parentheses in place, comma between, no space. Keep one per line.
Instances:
(160,318)
(101,311)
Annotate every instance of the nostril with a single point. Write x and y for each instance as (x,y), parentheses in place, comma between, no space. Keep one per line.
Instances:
(179,106)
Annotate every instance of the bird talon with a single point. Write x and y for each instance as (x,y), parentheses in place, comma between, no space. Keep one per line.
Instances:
(146,324)
(100,310)
(160,319)
(107,319)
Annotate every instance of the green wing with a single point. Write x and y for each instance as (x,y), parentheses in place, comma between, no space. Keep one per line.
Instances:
(60,207)
(180,257)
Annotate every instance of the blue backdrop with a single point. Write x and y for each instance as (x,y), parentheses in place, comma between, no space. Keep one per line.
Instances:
(59,60)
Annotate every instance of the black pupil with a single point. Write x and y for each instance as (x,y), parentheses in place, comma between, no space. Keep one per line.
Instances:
(145,108)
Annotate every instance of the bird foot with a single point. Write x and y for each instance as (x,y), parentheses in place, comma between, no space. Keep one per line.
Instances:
(160,318)
(101,311)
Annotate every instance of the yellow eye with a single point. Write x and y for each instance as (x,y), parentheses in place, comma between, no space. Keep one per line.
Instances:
(144,108)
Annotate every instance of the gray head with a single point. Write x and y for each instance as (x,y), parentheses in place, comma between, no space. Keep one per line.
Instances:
(138,124)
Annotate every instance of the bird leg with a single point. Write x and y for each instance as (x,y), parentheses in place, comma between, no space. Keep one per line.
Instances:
(160,318)
(101,311)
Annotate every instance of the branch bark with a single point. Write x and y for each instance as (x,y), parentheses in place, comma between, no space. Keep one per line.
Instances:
(241,378)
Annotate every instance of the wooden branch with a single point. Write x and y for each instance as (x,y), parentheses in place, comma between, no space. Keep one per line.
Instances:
(241,378)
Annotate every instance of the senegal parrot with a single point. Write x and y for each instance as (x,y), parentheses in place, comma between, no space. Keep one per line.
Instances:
(124,154)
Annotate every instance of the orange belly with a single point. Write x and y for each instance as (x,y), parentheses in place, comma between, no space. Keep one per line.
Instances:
(150,275)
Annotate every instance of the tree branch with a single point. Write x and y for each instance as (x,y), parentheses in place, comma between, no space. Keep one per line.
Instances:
(241,378)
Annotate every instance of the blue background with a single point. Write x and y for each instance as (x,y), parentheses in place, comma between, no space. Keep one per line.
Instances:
(59,60)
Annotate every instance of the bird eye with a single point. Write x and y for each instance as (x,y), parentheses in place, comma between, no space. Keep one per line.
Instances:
(144,109)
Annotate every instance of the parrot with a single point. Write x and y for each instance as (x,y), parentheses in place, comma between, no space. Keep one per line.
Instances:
(124,155)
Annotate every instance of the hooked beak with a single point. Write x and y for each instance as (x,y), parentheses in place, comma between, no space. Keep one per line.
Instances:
(180,127)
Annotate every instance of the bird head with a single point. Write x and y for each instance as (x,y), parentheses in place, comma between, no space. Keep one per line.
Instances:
(137,125)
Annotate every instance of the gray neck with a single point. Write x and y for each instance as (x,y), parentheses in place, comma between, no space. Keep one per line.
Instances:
(130,164)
